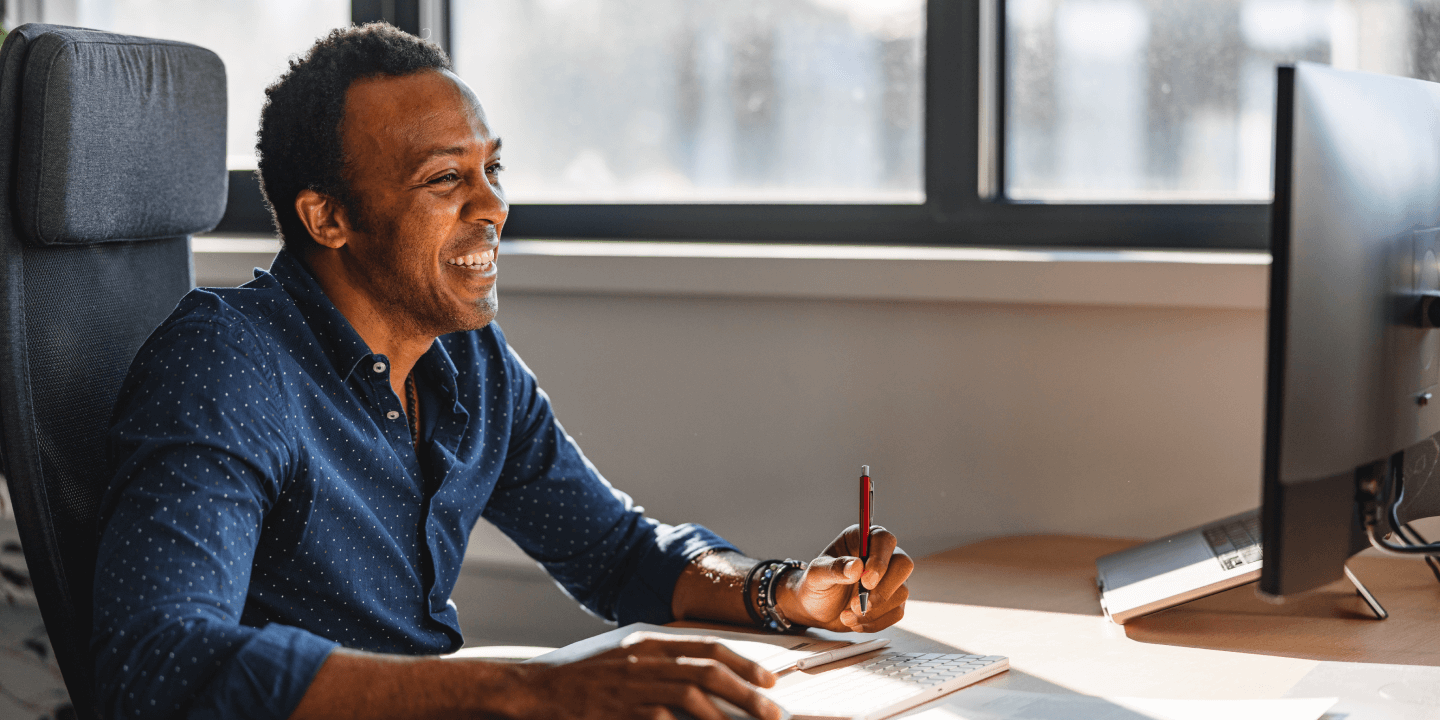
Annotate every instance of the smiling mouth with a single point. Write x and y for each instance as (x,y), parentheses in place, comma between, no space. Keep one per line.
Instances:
(474,261)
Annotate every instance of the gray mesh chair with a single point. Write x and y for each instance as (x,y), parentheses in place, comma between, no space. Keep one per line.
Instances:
(112,152)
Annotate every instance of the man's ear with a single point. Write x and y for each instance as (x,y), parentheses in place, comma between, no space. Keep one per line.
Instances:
(324,218)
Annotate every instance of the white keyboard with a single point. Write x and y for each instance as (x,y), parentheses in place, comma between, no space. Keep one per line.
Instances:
(885,685)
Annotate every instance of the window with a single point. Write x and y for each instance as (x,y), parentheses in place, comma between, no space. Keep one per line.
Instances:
(1071,123)
(715,101)
(1173,100)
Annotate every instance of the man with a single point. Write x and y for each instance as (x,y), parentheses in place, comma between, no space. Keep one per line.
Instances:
(298,462)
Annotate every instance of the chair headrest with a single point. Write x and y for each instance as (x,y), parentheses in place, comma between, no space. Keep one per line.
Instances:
(118,137)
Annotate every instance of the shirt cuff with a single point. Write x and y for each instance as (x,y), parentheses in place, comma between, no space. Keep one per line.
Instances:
(648,594)
(267,677)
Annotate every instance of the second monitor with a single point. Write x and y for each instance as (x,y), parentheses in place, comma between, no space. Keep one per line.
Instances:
(1353,358)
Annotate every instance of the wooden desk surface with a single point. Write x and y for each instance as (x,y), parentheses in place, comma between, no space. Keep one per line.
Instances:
(1034,599)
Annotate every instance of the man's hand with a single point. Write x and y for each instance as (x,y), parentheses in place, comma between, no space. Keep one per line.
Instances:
(649,676)
(826,594)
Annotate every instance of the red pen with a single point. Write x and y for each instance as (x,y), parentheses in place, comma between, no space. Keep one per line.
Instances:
(867,508)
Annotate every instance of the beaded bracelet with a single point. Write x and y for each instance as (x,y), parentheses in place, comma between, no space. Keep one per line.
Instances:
(749,606)
(767,597)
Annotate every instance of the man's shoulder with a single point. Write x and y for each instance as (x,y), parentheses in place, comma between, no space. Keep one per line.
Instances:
(213,342)
(241,316)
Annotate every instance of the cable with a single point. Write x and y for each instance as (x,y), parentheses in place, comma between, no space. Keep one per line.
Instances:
(1420,540)
(1405,530)
(1389,548)
(1392,478)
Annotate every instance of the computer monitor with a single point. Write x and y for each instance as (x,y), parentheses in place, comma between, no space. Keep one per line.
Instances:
(1353,365)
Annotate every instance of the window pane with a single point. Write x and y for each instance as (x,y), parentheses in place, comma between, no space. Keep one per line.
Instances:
(1173,100)
(253,37)
(629,101)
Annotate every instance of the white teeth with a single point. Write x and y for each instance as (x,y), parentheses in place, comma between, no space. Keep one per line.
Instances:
(474,260)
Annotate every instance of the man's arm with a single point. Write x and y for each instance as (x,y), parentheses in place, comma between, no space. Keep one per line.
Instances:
(640,680)
(623,566)
(599,566)
(196,472)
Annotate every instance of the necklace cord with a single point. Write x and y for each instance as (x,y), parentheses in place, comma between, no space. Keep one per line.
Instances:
(412,409)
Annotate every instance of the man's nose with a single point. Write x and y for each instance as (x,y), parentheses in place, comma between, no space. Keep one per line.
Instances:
(486,203)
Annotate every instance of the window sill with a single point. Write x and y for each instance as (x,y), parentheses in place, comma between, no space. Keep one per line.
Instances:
(1161,278)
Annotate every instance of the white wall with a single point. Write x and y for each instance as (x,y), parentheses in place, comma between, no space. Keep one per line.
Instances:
(752,416)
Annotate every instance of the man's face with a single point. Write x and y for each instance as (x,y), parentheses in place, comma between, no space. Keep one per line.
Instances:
(425,170)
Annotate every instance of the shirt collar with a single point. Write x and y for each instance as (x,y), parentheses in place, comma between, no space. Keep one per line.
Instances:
(345,348)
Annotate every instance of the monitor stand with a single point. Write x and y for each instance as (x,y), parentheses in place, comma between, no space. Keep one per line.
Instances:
(1365,595)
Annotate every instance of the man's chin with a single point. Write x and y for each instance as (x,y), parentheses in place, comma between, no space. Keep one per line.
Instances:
(483,313)
(467,317)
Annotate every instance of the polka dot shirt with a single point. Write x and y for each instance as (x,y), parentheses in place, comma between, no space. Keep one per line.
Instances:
(268,504)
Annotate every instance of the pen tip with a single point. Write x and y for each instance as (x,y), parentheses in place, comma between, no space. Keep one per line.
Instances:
(864,469)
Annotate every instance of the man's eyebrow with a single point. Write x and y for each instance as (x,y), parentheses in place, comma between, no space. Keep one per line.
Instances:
(456,150)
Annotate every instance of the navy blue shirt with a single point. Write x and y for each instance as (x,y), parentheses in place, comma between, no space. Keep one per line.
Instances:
(268,504)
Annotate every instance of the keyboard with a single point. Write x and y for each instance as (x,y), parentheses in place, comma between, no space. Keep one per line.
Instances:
(885,685)
(1235,543)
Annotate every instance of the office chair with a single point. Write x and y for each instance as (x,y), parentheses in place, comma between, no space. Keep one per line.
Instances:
(112,152)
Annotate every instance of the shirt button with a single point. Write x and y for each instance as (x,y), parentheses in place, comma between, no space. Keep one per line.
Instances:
(378,367)
(392,415)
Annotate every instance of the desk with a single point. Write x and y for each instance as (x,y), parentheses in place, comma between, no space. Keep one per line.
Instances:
(1034,599)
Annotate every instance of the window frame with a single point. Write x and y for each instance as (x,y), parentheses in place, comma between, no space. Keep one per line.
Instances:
(963,175)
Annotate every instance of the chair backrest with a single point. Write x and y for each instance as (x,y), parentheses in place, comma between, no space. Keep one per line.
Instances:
(112,152)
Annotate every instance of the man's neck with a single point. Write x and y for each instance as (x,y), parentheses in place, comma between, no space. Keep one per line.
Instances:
(383,331)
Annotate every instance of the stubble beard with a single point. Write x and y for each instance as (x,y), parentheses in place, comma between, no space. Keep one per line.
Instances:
(435,321)
(465,319)
(429,317)
(485,310)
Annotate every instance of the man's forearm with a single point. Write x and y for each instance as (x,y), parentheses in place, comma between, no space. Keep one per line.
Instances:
(354,684)
(713,588)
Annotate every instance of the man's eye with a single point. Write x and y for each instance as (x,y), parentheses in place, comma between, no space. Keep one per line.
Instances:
(495,169)
(447,177)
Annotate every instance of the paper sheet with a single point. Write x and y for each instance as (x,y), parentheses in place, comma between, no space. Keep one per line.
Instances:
(1374,690)
(772,652)
(984,703)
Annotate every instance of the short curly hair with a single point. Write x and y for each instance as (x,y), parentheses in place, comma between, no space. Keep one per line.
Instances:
(299,143)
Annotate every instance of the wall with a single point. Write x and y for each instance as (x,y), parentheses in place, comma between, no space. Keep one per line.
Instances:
(753,416)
